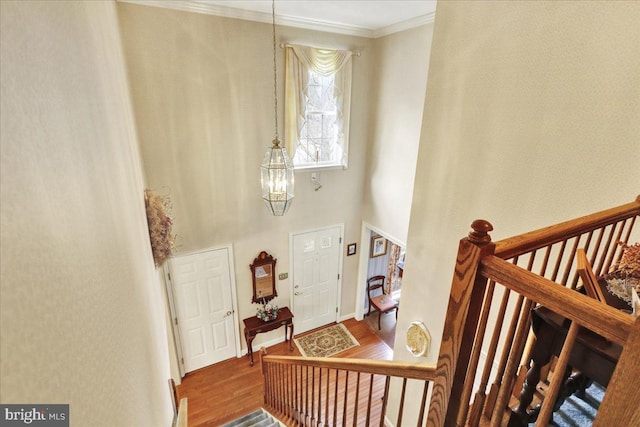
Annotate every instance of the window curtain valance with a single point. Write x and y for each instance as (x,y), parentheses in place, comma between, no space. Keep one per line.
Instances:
(326,62)
(322,61)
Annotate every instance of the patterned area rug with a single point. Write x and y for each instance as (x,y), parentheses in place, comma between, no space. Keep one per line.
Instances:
(326,342)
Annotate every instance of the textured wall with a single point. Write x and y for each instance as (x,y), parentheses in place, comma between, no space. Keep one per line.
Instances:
(531,118)
(202,89)
(82,315)
(399,84)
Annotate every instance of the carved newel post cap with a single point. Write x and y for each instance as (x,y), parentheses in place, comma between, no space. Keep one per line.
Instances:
(480,233)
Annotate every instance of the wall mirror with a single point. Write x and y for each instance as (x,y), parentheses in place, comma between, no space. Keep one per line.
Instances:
(263,272)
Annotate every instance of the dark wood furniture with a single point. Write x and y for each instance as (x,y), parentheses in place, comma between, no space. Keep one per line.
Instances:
(254,326)
(593,356)
(381,303)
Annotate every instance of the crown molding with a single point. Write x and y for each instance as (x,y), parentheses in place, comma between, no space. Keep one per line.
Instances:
(404,25)
(309,24)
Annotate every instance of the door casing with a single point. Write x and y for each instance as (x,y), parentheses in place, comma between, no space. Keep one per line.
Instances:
(340,263)
(177,342)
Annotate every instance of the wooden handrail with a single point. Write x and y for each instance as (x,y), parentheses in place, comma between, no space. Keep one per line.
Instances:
(377,367)
(523,243)
(612,324)
(181,420)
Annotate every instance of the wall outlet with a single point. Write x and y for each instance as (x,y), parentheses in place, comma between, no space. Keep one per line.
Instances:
(283,276)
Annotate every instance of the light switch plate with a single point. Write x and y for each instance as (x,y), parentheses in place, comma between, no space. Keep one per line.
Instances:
(283,276)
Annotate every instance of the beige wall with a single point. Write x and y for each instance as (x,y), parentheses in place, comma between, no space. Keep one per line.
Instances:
(530,118)
(82,316)
(202,89)
(399,84)
(526,123)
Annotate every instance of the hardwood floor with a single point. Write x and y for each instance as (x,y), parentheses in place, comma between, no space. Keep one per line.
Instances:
(227,390)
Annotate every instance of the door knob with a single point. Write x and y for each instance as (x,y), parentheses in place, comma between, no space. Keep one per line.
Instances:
(298,293)
(229,313)
(296,286)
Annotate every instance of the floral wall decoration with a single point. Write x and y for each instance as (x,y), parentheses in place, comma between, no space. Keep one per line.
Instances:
(160,223)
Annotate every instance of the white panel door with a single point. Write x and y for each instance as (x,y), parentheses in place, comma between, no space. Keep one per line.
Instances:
(316,259)
(202,293)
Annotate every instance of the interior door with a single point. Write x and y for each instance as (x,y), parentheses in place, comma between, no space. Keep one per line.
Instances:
(201,286)
(316,260)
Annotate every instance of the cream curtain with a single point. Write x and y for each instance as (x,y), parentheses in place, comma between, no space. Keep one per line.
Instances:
(301,59)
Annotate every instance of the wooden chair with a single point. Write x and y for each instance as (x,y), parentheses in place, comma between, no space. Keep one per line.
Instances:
(382,303)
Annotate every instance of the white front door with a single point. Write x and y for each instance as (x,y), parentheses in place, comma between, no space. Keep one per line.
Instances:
(316,261)
(201,286)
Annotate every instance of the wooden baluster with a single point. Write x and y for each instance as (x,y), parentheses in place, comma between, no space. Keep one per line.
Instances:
(355,408)
(369,400)
(296,406)
(552,393)
(603,254)
(596,247)
(313,386)
(273,385)
(306,396)
(346,393)
(401,408)
(423,404)
(614,247)
(478,401)
(319,415)
(272,401)
(626,238)
(569,263)
(326,400)
(556,267)
(280,388)
(475,355)
(385,399)
(290,391)
(335,400)
(497,383)
(514,358)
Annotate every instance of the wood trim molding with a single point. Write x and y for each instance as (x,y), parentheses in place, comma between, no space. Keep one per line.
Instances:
(289,21)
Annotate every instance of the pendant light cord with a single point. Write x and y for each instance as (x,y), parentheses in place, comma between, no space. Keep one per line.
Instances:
(275,75)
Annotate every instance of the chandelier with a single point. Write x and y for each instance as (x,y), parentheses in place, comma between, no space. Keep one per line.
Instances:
(277,168)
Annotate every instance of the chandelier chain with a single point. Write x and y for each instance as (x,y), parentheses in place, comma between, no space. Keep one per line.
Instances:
(275,75)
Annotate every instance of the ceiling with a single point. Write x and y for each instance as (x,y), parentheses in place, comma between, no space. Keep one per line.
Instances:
(373,18)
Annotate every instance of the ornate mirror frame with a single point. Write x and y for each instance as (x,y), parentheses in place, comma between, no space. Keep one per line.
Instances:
(263,274)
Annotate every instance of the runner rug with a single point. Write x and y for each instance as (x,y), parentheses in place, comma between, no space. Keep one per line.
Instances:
(326,342)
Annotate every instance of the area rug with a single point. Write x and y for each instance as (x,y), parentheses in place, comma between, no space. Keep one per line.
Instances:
(576,411)
(326,342)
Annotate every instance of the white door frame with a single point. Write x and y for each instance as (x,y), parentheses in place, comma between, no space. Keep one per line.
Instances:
(340,261)
(363,263)
(172,305)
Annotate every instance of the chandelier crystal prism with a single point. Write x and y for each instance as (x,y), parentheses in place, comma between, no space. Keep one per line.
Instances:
(276,172)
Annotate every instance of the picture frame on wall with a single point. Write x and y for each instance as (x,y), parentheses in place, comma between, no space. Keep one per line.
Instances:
(351,249)
(378,246)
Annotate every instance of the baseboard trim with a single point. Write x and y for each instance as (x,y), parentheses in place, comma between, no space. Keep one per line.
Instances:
(346,317)
(257,347)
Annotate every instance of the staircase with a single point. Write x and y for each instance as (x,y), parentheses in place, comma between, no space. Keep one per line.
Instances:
(259,418)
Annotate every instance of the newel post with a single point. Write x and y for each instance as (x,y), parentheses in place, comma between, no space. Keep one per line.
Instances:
(463,312)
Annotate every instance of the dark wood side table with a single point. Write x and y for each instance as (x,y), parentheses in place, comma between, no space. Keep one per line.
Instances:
(254,326)
(592,355)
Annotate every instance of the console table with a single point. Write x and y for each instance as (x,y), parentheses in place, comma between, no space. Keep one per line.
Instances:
(254,326)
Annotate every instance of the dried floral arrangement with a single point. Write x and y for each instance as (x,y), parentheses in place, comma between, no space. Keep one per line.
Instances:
(630,261)
(626,274)
(160,223)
